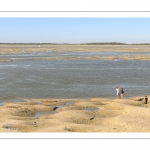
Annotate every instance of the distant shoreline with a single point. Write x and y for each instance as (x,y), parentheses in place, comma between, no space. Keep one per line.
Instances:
(93,43)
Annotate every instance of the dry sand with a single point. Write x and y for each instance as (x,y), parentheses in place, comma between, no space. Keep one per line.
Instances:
(112,115)
(9,49)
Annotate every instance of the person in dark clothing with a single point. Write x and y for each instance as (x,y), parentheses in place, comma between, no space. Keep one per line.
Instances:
(122,93)
(146,101)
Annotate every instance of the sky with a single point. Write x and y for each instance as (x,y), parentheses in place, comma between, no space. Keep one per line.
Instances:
(74,30)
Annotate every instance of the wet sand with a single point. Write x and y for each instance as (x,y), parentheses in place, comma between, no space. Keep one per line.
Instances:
(11,49)
(75,115)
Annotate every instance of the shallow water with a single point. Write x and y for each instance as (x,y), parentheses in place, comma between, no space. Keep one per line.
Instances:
(65,53)
(37,114)
(91,109)
(1,104)
(40,113)
(71,78)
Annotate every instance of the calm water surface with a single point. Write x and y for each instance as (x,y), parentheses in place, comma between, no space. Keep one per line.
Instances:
(71,78)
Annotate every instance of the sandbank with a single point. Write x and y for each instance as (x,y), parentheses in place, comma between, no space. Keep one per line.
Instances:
(16,48)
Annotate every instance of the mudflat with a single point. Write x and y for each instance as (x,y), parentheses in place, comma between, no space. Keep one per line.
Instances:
(16,48)
(13,48)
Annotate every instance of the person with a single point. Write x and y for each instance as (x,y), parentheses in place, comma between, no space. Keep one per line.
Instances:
(118,92)
(122,93)
(146,101)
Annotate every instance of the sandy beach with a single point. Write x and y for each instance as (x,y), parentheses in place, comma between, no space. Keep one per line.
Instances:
(75,115)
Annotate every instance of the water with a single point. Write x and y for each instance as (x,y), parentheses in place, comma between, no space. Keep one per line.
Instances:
(91,109)
(37,114)
(71,78)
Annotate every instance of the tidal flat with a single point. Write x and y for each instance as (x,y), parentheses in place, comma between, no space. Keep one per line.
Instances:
(71,88)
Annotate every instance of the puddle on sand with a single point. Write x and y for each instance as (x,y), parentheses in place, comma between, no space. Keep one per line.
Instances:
(68,103)
(37,114)
(1,104)
(39,103)
(91,109)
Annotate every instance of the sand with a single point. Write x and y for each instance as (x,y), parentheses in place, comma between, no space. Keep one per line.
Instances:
(11,49)
(79,115)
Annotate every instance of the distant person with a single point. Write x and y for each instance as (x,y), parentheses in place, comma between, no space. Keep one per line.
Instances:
(122,93)
(146,101)
(118,92)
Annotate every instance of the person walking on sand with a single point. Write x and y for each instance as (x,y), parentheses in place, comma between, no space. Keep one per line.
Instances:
(118,92)
(146,101)
(122,93)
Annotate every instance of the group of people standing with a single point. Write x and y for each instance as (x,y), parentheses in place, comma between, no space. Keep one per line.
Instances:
(120,92)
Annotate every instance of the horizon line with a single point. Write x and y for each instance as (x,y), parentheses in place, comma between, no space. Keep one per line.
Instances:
(90,43)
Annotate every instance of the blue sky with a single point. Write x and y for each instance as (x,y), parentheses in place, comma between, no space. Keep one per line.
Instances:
(74,30)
